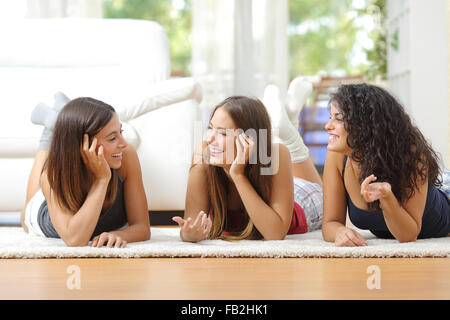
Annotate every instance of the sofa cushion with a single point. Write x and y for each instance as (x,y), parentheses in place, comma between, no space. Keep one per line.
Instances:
(23,88)
(80,57)
(124,63)
(79,43)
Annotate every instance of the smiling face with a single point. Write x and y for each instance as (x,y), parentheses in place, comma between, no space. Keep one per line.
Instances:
(221,139)
(337,141)
(110,137)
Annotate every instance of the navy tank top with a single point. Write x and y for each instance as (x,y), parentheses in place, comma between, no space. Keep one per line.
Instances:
(435,219)
(112,219)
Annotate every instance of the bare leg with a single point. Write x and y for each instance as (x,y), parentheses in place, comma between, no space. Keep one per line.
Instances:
(306,170)
(33,181)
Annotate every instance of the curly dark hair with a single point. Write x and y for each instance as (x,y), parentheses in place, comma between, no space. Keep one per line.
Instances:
(384,141)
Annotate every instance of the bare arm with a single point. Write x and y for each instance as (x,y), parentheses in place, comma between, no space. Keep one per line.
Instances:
(195,225)
(76,228)
(271,219)
(197,188)
(135,199)
(335,205)
(403,221)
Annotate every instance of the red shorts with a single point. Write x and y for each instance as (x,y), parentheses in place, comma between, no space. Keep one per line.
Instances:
(237,220)
(298,223)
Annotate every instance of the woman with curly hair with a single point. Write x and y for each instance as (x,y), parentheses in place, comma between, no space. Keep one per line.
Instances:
(381,169)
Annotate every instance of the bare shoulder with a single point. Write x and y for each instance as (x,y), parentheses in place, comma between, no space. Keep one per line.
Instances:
(334,161)
(283,150)
(281,156)
(130,162)
(280,163)
(44,184)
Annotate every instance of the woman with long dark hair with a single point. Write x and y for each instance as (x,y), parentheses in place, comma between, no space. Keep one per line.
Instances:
(86,183)
(242,185)
(381,169)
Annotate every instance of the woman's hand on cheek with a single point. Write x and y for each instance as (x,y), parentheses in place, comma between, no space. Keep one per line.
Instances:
(244,148)
(95,161)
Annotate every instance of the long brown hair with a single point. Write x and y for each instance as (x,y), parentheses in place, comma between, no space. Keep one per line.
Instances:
(68,176)
(247,113)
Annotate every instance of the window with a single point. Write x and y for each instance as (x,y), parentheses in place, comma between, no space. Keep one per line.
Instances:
(173,15)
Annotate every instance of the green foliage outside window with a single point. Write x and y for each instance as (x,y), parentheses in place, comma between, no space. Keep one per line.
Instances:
(321,36)
(176,20)
(322,33)
(377,56)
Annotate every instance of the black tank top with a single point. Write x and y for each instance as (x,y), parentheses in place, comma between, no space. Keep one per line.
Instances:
(435,219)
(112,219)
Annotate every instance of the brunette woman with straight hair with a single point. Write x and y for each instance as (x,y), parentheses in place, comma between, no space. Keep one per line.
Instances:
(88,185)
(241,184)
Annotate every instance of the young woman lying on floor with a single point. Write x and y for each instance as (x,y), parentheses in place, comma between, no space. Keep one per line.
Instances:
(381,169)
(234,193)
(86,181)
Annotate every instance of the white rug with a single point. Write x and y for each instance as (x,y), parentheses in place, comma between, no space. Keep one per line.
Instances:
(165,242)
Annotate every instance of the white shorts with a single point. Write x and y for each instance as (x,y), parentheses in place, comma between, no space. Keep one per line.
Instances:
(31,214)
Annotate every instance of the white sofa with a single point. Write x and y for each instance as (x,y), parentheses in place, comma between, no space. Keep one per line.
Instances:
(125,63)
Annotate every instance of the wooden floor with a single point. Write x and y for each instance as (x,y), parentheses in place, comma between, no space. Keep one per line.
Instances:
(222,278)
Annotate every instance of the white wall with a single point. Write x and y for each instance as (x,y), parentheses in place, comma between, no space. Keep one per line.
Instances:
(418,70)
(64,8)
(448,72)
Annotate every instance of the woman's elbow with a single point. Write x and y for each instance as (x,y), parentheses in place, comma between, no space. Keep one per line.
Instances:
(273,238)
(406,239)
(73,242)
(403,238)
(410,236)
(147,235)
(74,239)
(144,232)
(276,236)
(327,236)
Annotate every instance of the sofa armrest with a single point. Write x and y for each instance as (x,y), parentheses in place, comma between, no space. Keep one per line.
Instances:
(167,140)
(162,94)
